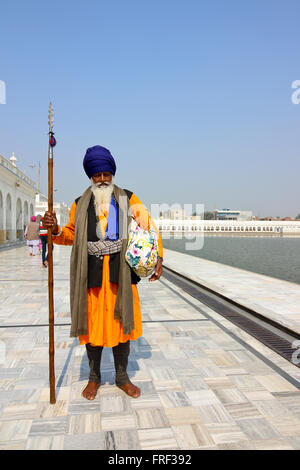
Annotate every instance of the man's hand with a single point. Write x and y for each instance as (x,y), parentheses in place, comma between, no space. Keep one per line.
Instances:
(50,221)
(158,271)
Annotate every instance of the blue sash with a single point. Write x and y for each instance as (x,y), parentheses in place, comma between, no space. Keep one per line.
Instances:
(112,228)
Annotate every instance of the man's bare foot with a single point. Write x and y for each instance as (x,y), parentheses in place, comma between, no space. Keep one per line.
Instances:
(131,389)
(90,390)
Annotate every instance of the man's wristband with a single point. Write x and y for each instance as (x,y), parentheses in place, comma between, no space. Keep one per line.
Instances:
(58,233)
(159,257)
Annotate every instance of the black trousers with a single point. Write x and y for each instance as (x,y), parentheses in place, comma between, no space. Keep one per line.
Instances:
(44,240)
(120,353)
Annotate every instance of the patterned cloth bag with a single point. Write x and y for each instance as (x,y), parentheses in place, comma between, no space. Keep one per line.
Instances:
(142,249)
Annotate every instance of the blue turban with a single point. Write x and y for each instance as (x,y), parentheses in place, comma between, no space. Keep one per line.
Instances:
(98,159)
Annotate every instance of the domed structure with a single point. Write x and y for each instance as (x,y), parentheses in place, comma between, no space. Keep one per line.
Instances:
(13,159)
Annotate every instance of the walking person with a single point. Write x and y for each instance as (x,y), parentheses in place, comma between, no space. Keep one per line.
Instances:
(32,235)
(44,241)
(105,306)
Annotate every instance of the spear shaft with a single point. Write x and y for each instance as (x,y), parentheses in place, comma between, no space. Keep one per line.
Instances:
(50,264)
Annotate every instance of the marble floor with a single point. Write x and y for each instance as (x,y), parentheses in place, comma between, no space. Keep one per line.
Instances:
(205,383)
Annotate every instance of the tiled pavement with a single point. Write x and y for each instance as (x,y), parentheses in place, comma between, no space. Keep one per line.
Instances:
(205,383)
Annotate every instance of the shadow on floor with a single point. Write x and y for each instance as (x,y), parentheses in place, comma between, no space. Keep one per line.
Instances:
(63,376)
(139,349)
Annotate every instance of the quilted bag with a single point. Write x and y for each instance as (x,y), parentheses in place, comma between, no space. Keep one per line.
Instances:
(142,249)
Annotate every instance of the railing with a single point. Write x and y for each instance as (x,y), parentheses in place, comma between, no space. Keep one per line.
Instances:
(221,226)
(9,166)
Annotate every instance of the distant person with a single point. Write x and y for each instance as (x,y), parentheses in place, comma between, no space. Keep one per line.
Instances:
(44,241)
(105,306)
(32,235)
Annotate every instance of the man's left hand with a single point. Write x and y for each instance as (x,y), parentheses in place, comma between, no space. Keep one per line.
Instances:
(158,271)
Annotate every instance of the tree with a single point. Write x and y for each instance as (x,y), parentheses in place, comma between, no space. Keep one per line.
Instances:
(208,215)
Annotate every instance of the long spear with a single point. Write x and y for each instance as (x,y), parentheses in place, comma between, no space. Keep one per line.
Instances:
(52,143)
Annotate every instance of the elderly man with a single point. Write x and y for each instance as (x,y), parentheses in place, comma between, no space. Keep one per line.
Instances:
(105,307)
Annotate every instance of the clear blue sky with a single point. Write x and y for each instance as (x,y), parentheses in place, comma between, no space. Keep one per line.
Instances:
(193,98)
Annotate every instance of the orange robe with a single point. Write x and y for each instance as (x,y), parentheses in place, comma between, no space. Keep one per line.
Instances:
(103,328)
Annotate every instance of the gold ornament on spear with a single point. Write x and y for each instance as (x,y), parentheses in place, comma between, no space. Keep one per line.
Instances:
(52,143)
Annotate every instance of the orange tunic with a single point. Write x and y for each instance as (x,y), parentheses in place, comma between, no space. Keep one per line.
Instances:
(103,328)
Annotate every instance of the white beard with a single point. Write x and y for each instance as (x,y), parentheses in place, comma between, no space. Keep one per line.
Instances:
(102,196)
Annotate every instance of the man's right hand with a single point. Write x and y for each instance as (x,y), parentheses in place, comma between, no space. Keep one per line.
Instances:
(50,221)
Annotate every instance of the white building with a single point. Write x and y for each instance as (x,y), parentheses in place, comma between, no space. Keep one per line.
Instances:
(229,214)
(17,200)
(61,209)
(226,227)
(175,212)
